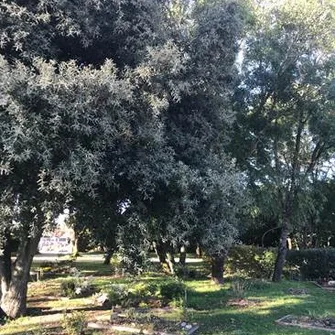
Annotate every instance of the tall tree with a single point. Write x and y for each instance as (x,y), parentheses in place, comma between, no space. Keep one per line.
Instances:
(62,121)
(198,126)
(148,112)
(197,190)
(286,127)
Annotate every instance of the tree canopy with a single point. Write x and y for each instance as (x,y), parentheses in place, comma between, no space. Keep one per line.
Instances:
(286,128)
(104,104)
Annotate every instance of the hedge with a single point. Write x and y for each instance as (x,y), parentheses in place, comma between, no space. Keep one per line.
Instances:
(313,264)
(305,264)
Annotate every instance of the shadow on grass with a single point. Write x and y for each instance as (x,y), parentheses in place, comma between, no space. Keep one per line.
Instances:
(210,309)
(40,311)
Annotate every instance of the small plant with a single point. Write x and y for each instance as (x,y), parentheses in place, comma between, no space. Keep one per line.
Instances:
(74,323)
(116,266)
(77,286)
(131,295)
(117,294)
(131,314)
(172,290)
(68,288)
(239,288)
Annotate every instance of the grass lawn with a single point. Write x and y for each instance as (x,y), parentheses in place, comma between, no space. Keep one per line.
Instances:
(249,308)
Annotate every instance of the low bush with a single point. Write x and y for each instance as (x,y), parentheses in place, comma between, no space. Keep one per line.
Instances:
(305,264)
(135,294)
(117,294)
(68,288)
(312,264)
(251,261)
(172,290)
(74,323)
(77,286)
(126,296)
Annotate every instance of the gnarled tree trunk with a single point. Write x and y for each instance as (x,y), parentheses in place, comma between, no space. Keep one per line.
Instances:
(217,264)
(15,277)
(165,254)
(170,259)
(160,251)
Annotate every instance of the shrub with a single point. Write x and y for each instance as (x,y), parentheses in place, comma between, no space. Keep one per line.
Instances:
(306,264)
(312,264)
(239,288)
(117,294)
(135,294)
(144,290)
(77,286)
(68,288)
(131,295)
(251,261)
(74,324)
(172,290)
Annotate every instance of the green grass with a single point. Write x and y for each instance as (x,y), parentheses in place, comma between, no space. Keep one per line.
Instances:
(207,304)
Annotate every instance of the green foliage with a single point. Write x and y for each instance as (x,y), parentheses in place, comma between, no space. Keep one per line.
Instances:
(131,295)
(285,109)
(117,294)
(74,323)
(68,288)
(313,264)
(251,261)
(145,289)
(118,112)
(172,290)
(259,284)
(256,262)
(131,248)
(77,286)
(128,295)
(134,294)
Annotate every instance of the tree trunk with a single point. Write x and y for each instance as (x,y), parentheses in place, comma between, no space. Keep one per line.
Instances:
(182,256)
(281,255)
(14,292)
(217,263)
(160,251)
(170,257)
(170,261)
(198,251)
(6,263)
(107,257)
(14,299)
(75,251)
(165,254)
